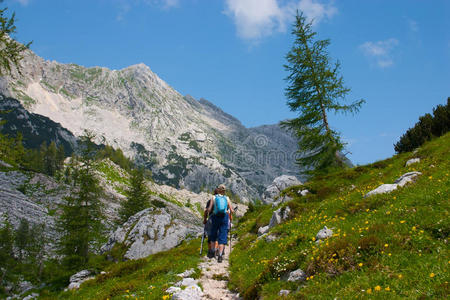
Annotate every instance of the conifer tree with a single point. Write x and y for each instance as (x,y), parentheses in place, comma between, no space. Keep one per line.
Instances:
(137,199)
(314,89)
(11,52)
(81,220)
(7,261)
(22,239)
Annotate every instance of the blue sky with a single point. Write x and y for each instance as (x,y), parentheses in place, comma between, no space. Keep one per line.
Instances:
(394,54)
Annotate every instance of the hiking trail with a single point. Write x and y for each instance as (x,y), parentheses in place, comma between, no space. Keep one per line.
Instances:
(215,278)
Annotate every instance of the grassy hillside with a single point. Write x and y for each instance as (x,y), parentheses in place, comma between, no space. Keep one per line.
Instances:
(386,246)
(146,278)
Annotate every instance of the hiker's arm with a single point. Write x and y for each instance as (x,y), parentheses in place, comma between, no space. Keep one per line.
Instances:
(211,204)
(230,206)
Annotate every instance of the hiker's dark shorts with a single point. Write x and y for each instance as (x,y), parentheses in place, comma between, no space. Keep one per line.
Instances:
(219,229)
(208,227)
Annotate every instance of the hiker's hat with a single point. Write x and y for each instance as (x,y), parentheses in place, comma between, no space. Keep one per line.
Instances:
(221,187)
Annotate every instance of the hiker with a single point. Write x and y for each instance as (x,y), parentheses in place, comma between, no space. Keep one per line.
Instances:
(207,220)
(218,208)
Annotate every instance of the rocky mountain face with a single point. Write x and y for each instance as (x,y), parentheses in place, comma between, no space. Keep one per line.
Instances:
(186,143)
(36,129)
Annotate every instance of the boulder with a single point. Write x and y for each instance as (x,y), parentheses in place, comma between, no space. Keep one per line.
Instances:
(77,279)
(297,275)
(279,216)
(412,161)
(284,292)
(382,189)
(153,230)
(399,182)
(186,289)
(324,233)
(186,273)
(407,178)
(263,230)
(280,183)
(303,193)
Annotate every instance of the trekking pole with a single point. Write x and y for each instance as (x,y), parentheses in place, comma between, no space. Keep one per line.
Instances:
(203,239)
(231,226)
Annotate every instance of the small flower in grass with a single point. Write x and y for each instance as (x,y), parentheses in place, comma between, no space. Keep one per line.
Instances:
(360,264)
(377,288)
(414,228)
(400,276)
(402,221)
(387,289)
(369,291)
(432,275)
(165,297)
(386,245)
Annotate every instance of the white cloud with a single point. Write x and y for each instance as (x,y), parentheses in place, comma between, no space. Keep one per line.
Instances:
(380,52)
(256,19)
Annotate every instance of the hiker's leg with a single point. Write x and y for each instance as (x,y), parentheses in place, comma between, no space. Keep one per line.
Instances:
(223,235)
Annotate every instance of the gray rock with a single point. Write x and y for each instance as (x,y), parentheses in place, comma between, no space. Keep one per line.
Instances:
(303,192)
(279,184)
(279,216)
(77,279)
(187,282)
(186,273)
(407,178)
(192,292)
(297,275)
(24,286)
(263,230)
(412,161)
(324,233)
(31,296)
(382,189)
(4,164)
(399,182)
(270,238)
(154,230)
(284,292)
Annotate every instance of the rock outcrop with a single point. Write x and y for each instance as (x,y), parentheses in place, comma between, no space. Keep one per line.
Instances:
(279,184)
(399,182)
(153,230)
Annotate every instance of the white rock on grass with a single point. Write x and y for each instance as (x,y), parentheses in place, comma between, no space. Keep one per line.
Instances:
(187,273)
(412,161)
(297,275)
(77,279)
(284,292)
(280,183)
(186,289)
(263,230)
(279,216)
(186,282)
(270,238)
(407,178)
(382,189)
(324,233)
(399,182)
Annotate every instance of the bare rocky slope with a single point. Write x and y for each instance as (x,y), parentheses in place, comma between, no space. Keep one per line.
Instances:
(186,143)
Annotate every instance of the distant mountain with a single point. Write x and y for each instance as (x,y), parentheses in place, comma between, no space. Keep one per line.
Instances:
(185,142)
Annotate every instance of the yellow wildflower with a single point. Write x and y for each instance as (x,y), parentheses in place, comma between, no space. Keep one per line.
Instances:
(377,288)
(402,221)
(360,264)
(400,276)
(386,245)
(387,289)
(369,291)
(432,275)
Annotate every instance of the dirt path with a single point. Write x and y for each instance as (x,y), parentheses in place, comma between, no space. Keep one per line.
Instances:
(215,278)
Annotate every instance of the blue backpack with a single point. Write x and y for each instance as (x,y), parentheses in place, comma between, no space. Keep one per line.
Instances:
(220,205)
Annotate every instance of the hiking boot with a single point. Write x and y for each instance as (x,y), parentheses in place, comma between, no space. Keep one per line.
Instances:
(211,253)
(219,259)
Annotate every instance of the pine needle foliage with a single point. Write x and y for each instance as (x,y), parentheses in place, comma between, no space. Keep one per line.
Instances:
(11,52)
(138,194)
(80,223)
(315,88)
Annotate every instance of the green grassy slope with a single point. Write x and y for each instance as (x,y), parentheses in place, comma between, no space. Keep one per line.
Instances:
(387,246)
(146,278)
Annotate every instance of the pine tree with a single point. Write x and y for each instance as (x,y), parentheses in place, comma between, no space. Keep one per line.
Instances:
(22,238)
(50,162)
(7,260)
(314,89)
(11,52)
(81,220)
(137,199)
(36,249)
